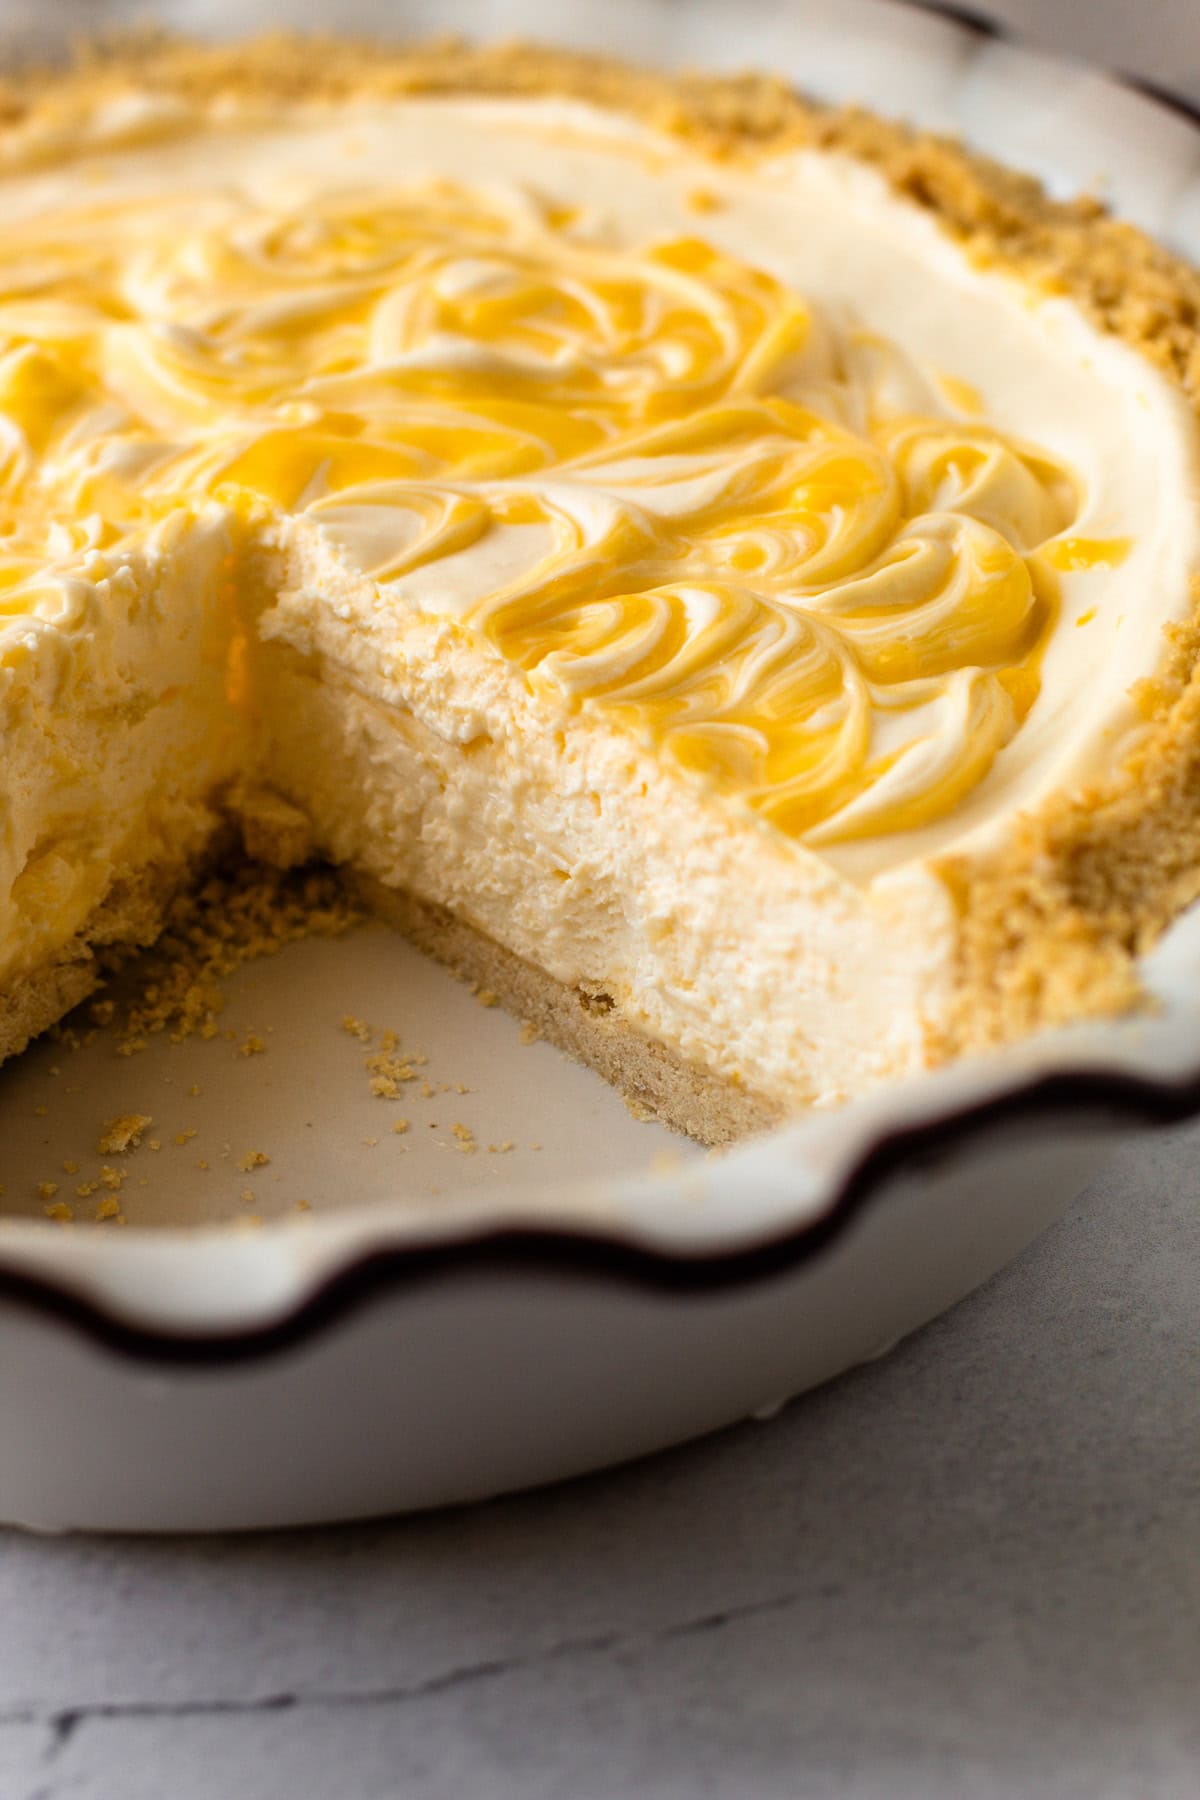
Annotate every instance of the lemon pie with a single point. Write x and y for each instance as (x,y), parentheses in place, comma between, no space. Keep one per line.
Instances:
(721,575)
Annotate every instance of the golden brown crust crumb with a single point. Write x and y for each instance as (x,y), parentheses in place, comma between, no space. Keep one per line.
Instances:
(237,915)
(123,1133)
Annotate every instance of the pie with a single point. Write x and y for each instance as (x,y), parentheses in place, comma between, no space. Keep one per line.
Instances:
(721,574)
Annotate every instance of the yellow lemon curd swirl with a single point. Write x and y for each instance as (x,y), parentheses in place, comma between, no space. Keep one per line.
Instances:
(650,477)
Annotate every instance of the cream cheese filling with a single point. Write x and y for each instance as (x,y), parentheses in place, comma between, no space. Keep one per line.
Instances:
(752,459)
(867,544)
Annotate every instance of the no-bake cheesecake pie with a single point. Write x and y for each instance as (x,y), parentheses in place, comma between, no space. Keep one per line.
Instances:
(720,573)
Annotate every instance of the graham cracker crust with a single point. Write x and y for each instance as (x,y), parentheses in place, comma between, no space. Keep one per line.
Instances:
(34,1002)
(130,917)
(654,1081)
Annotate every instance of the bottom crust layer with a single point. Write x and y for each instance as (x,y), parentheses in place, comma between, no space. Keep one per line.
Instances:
(654,1082)
(38,1000)
(130,917)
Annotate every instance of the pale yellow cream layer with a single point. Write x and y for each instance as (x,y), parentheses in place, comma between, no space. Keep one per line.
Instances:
(866,544)
(649,474)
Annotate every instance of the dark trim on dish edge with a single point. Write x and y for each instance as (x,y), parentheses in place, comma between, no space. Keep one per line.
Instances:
(1066,1096)
(1185,109)
(979,25)
(967,17)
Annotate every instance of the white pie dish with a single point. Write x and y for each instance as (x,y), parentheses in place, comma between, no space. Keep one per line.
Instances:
(408,1352)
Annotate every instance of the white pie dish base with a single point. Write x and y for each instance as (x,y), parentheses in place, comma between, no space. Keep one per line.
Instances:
(411,1349)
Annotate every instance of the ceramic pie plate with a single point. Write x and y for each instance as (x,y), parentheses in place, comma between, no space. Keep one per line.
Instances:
(526,1283)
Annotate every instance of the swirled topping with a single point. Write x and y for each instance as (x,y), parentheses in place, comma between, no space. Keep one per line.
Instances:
(649,476)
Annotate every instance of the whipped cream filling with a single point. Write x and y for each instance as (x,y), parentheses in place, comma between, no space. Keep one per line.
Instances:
(869,540)
(118,730)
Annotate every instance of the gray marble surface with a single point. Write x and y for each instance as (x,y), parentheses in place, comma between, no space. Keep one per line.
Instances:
(971,1569)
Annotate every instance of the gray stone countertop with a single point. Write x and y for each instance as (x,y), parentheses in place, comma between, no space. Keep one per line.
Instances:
(971,1569)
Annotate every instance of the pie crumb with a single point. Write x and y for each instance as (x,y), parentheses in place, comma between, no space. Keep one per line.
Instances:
(123,1133)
